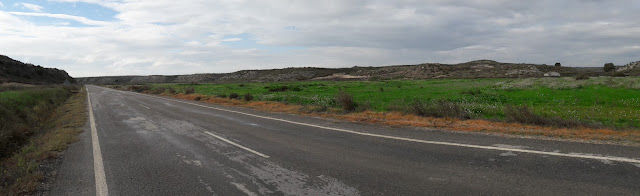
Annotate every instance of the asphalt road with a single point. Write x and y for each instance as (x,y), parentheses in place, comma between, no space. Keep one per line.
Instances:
(150,145)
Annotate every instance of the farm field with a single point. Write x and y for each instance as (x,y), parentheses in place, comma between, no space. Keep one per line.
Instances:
(598,101)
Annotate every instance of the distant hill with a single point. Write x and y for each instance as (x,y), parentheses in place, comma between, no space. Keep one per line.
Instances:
(473,69)
(19,72)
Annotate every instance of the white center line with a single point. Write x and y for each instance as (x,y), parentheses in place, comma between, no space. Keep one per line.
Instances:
(572,155)
(98,167)
(238,145)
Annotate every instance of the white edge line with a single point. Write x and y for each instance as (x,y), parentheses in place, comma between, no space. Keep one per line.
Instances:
(608,158)
(237,145)
(98,167)
(145,106)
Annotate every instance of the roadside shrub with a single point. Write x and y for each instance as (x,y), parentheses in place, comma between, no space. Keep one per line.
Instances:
(582,77)
(277,88)
(346,101)
(524,115)
(313,109)
(198,98)
(158,90)
(221,96)
(189,90)
(557,65)
(608,67)
(248,97)
(171,90)
(439,109)
(364,106)
(234,96)
(140,88)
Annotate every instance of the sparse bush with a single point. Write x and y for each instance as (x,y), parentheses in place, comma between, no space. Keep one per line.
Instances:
(472,92)
(618,74)
(582,77)
(242,85)
(189,90)
(234,96)
(313,109)
(248,97)
(197,98)
(221,96)
(608,67)
(381,89)
(296,88)
(346,101)
(524,115)
(557,65)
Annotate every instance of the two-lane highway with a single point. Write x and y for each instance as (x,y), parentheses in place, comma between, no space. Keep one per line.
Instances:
(139,144)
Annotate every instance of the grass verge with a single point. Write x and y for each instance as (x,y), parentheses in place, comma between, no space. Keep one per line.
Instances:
(20,172)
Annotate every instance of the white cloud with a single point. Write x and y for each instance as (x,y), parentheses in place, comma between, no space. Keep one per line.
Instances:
(32,7)
(232,39)
(82,20)
(165,37)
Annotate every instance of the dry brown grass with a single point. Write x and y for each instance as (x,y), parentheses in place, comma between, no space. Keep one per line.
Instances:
(452,124)
(20,172)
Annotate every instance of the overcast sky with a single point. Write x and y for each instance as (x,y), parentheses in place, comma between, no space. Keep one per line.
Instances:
(146,37)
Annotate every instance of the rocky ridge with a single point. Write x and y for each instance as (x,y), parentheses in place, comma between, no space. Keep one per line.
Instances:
(473,69)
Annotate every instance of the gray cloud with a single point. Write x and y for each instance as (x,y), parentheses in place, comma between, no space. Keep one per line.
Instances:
(170,37)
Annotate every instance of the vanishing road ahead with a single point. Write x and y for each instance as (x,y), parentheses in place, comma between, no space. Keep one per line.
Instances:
(140,144)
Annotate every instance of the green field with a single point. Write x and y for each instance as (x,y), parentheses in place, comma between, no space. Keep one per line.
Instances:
(604,101)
